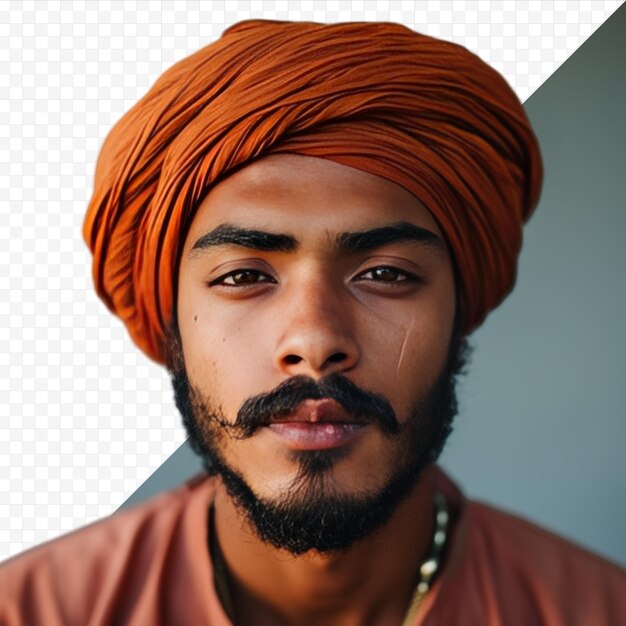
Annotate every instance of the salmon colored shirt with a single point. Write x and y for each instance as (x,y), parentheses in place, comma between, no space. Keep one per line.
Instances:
(150,565)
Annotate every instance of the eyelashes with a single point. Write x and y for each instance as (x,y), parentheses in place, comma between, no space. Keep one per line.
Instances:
(243,278)
(387,274)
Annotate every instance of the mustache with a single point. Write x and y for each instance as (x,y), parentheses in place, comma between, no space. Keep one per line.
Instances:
(366,406)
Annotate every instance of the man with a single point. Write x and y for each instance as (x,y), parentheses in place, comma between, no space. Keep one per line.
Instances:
(304,223)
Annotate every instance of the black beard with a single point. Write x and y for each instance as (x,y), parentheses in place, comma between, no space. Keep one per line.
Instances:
(313,515)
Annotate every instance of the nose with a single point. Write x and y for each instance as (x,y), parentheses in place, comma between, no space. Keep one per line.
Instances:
(317,332)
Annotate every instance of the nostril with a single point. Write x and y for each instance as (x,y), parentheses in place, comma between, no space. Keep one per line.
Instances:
(338,357)
(292,359)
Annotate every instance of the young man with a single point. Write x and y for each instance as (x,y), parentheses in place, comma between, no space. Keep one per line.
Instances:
(304,222)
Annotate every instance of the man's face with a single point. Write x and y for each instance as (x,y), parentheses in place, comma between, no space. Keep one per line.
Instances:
(295,269)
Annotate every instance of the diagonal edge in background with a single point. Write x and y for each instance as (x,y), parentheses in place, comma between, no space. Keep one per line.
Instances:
(559,98)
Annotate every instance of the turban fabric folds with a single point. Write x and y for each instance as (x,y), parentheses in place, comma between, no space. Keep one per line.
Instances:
(421,112)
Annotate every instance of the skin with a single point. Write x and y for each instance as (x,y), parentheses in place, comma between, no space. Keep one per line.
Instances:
(316,310)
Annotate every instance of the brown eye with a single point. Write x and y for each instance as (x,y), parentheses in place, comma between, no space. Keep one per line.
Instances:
(241,278)
(385,275)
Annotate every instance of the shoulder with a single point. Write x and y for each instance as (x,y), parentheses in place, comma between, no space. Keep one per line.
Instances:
(69,579)
(521,540)
(501,569)
(557,576)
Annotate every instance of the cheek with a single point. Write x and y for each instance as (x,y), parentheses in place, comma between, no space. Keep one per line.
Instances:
(224,352)
(406,349)
(400,335)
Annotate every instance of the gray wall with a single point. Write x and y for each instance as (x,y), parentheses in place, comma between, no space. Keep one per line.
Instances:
(542,427)
(543,424)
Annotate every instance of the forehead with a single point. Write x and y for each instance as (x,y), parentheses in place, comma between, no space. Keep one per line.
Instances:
(307,197)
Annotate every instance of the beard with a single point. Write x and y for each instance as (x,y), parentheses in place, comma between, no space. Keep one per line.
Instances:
(313,514)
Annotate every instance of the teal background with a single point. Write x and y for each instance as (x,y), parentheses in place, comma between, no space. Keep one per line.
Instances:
(542,427)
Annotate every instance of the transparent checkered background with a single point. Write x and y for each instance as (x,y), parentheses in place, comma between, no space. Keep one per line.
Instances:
(84,416)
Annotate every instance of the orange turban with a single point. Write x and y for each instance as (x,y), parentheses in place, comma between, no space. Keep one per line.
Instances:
(424,113)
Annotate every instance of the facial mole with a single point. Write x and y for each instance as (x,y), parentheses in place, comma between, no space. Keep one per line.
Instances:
(195,318)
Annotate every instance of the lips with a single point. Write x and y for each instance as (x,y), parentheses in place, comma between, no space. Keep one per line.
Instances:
(312,411)
(317,425)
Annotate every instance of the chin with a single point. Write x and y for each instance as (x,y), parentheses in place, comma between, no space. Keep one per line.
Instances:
(315,505)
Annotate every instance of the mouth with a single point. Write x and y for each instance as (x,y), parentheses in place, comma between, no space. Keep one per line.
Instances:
(317,425)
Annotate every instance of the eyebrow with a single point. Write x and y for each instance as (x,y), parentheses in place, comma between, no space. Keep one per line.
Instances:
(399,232)
(227,234)
(348,242)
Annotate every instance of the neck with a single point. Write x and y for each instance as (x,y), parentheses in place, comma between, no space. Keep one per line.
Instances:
(370,582)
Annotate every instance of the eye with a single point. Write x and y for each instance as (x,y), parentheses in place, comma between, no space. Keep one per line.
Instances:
(386,274)
(242,278)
